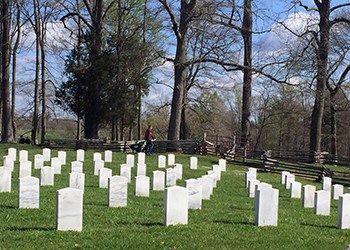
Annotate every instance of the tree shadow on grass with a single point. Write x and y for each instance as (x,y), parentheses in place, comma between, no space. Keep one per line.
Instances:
(8,206)
(96,204)
(242,208)
(146,224)
(31,229)
(233,222)
(319,226)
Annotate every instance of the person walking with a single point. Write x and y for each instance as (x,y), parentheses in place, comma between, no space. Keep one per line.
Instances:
(149,141)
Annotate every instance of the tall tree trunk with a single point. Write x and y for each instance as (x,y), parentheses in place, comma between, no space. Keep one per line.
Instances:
(184,129)
(37,75)
(14,72)
(78,134)
(114,132)
(333,113)
(247,73)
(322,75)
(43,91)
(186,12)
(5,87)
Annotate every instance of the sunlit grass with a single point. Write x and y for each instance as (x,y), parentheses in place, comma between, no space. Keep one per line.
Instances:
(224,222)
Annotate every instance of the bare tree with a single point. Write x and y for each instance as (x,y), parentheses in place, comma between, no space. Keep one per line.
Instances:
(322,49)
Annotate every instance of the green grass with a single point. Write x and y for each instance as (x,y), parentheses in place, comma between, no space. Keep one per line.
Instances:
(224,222)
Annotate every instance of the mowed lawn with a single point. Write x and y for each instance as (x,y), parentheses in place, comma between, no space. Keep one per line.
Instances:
(226,221)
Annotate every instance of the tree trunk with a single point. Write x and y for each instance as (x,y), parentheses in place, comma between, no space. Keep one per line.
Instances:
(78,137)
(334,148)
(37,73)
(5,68)
(322,75)
(91,126)
(184,129)
(180,70)
(114,132)
(247,73)
(14,72)
(43,92)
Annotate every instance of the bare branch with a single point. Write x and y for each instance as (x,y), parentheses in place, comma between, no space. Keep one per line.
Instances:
(339,20)
(172,18)
(339,6)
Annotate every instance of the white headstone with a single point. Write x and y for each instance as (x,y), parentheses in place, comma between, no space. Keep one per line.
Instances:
(23,155)
(337,191)
(118,191)
(97,157)
(130,160)
(80,155)
(222,164)
(5,179)
(108,156)
(348,190)
(178,171)
(47,176)
(249,176)
(207,186)
(170,177)
(63,156)
(28,190)
(76,167)
(289,179)
(254,171)
(12,152)
(344,212)
(77,180)
(175,206)
(142,186)
(322,202)
(99,164)
(217,170)
(158,180)
(295,190)
(25,169)
(212,174)
(141,158)
(193,162)
(251,187)
(309,196)
(8,162)
(56,164)
(283,177)
(38,161)
(171,160)
(161,161)
(141,169)
(266,207)
(46,154)
(326,183)
(125,170)
(103,175)
(69,209)
(194,193)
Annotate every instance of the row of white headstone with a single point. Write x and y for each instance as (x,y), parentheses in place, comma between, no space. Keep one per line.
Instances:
(69,207)
(266,198)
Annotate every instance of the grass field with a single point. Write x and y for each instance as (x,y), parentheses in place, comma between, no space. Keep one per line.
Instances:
(226,221)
